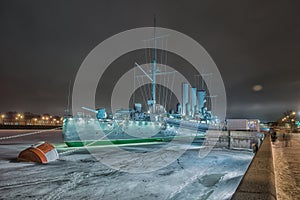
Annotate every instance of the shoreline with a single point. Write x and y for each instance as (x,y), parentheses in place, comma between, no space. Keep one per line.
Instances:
(27,127)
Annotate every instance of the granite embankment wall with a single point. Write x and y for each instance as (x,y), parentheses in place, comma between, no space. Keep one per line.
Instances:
(259,180)
(232,139)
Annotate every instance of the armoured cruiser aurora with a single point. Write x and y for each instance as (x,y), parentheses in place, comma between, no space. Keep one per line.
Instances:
(137,125)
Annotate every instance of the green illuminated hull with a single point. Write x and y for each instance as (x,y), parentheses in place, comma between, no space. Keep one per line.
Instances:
(124,141)
(79,132)
(110,142)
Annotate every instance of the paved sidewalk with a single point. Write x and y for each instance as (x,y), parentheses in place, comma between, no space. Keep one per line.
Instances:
(286,154)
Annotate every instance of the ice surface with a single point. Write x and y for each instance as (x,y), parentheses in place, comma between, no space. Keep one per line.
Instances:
(79,175)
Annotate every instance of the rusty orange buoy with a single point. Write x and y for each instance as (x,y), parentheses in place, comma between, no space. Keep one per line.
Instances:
(42,152)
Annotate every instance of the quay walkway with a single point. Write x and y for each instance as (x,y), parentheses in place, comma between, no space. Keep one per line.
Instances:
(286,157)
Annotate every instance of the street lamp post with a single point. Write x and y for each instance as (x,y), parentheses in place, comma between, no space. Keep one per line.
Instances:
(2,117)
(289,120)
(35,120)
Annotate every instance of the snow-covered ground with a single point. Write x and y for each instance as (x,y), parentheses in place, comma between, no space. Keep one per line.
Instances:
(287,163)
(79,175)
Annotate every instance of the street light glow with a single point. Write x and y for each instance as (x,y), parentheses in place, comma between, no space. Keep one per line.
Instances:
(20,119)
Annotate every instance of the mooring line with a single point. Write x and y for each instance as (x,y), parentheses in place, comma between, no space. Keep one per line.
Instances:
(62,154)
(27,134)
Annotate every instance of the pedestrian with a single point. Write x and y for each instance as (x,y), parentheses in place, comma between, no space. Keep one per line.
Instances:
(283,139)
(273,136)
(288,140)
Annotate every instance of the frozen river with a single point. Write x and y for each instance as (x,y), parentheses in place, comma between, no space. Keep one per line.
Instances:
(79,175)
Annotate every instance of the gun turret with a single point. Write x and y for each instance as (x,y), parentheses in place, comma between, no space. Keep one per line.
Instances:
(100,113)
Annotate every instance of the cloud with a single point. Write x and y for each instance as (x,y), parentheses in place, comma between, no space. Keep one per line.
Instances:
(43,45)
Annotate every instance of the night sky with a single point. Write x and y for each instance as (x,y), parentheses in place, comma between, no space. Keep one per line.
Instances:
(43,44)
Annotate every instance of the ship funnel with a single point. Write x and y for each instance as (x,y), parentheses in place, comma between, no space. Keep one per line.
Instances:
(201,100)
(185,97)
(193,94)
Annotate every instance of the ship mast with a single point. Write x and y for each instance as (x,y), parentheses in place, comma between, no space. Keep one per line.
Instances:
(154,70)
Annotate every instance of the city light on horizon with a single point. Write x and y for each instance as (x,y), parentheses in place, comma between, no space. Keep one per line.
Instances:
(28,118)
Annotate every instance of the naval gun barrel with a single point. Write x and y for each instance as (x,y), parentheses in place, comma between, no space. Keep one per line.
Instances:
(89,109)
(100,113)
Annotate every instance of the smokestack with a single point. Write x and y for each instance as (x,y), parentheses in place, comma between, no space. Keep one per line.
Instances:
(193,94)
(185,97)
(201,100)
(178,108)
(188,109)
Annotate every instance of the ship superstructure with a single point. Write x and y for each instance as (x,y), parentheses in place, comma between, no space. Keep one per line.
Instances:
(151,124)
